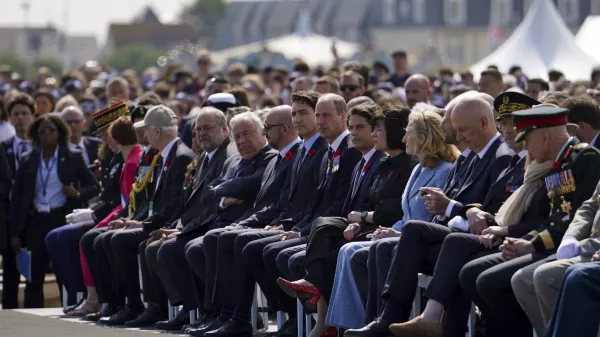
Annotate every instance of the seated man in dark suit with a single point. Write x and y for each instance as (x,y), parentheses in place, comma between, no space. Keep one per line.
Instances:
(335,175)
(212,134)
(303,180)
(444,293)
(234,284)
(228,197)
(161,131)
(473,120)
(87,145)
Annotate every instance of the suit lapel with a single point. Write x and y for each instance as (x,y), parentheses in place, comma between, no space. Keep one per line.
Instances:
(12,156)
(62,167)
(164,172)
(480,166)
(422,178)
(298,172)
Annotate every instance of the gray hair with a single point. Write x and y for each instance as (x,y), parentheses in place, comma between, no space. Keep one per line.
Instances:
(65,102)
(250,117)
(169,130)
(218,114)
(117,79)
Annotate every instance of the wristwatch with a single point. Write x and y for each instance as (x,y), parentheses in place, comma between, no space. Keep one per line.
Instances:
(363,216)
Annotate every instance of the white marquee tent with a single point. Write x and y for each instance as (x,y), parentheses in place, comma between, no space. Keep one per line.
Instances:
(540,43)
(313,49)
(587,36)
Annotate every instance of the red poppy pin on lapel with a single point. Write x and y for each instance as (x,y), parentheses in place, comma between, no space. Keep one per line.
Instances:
(366,167)
(311,152)
(288,155)
(390,174)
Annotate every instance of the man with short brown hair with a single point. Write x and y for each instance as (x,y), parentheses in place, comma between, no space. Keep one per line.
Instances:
(491,82)
(327,85)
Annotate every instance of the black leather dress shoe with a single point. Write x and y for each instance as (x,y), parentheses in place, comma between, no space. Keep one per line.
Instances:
(231,328)
(153,314)
(374,329)
(182,318)
(204,319)
(215,325)
(124,315)
(107,311)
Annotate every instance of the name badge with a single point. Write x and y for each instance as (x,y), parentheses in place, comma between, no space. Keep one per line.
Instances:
(43,208)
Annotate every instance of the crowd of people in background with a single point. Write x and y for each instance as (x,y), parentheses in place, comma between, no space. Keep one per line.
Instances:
(336,186)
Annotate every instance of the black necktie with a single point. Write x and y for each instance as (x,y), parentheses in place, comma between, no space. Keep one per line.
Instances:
(159,166)
(356,182)
(301,157)
(201,171)
(514,161)
(469,169)
(242,165)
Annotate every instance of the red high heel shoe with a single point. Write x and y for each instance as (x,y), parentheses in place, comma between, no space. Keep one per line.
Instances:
(331,332)
(297,290)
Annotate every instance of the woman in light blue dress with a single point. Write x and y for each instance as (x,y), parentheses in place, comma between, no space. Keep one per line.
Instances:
(425,139)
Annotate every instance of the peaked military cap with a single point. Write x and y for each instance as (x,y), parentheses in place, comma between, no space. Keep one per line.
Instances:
(508,102)
(543,116)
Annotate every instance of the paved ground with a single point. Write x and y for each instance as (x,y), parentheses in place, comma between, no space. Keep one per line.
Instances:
(51,323)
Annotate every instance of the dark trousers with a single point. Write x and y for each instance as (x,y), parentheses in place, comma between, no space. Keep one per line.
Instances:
(417,252)
(63,246)
(577,307)
(96,247)
(234,281)
(197,266)
(457,250)
(10,277)
(125,248)
(172,270)
(370,267)
(152,287)
(487,282)
(38,226)
(261,258)
(290,262)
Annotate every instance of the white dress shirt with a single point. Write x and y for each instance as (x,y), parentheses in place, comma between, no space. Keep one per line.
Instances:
(55,197)
(81,148)
(165,154)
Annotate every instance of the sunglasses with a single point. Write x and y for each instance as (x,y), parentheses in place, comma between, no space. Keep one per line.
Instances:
(349,87)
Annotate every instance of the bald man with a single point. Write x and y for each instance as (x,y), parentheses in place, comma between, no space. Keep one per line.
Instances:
(88,146)
(420,244)
(417,89)
(358,101)
(234,282)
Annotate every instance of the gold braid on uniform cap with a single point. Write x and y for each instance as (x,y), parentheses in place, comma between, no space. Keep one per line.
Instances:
(140,185)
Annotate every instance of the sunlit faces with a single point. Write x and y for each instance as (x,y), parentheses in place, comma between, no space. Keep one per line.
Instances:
(329,123)
(273,131)
(536,143)
(248,139)
(43,104)
(209,134)
(140,133)
(416,91)
(507,128)
(380,136)
(21,117)
(48,133)
(360,133)
(116,92)
(303,117)
(411,139)
(469,130)
(449,132)
(350,87)
(108,140)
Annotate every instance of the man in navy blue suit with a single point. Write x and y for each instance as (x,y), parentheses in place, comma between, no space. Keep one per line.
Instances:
(473,120)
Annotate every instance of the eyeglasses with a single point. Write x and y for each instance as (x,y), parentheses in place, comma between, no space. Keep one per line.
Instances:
(349,87)
(269,126)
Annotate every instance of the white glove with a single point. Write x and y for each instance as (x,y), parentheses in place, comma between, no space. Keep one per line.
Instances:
(83,216)
(77,210)
(569,248)
(459,223)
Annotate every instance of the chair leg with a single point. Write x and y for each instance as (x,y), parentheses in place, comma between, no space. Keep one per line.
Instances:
(65,297)
(192,316)
(416,311)
(471,322)
(262,307)
(300,318)
(254,310)
(280,319)
(308,320)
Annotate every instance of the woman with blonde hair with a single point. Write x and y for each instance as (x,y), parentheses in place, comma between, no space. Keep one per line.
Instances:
(424,139)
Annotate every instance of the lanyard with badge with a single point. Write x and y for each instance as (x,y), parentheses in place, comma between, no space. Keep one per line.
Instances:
(44,206)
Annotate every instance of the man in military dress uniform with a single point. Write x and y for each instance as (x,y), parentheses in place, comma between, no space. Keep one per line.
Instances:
(570,182)
(137,208)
